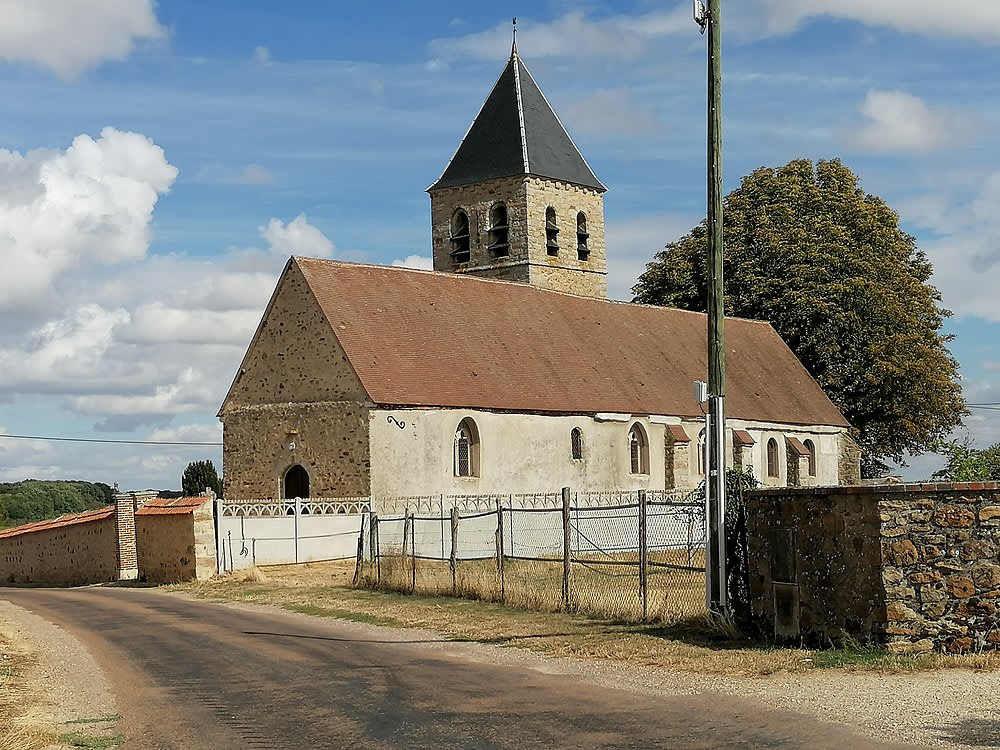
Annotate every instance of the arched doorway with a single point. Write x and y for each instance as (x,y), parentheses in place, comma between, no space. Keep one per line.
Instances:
(296,482)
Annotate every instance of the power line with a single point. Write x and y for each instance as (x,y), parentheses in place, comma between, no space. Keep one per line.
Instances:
(985,407)
(96,440)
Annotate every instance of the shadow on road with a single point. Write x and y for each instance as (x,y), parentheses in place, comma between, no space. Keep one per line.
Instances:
(972,732)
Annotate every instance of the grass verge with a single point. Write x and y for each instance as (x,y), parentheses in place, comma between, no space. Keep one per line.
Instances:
(695,644)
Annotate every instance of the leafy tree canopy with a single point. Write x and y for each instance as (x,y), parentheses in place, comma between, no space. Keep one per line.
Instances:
(199,476)
(36,500)
(828,266)
(968,464)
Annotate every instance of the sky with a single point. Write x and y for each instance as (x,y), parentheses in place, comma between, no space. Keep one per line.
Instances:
(159,163)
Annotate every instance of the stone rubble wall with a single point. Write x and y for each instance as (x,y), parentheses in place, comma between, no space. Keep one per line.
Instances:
(176,546)
(110,546)
(72,555)
(914,566)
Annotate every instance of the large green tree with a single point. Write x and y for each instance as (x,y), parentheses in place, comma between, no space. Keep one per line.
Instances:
(968,464)
(829,267)
(199,476)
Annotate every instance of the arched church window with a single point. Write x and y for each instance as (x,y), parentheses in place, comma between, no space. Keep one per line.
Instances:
(551,232)
(467,449)
(499,232)
(772,458)
(811,447)
(460,237)
(582,237)
(296,483)
(638,450)
(576,443)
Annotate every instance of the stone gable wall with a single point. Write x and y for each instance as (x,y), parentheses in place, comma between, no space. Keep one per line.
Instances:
(295,355)
(914,566)
(331,444)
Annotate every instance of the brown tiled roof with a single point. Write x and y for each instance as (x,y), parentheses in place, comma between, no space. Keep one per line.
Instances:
(420,338)
(742,437)
(54,523)
(797,446)
(678,434)
(162,506)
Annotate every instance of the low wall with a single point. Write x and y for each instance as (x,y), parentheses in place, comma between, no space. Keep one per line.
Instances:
(176,540)
(72,551)
(163,541)
(915,566)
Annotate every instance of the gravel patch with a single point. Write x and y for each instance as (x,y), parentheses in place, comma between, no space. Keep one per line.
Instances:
(72,691)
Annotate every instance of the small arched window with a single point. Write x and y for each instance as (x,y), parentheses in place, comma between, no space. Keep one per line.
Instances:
(576,443)
(582,237)
(638,450)
(499,232)
(295,483)
(460,237)
(551,232)
(466,449)
(772,458)
(811,447)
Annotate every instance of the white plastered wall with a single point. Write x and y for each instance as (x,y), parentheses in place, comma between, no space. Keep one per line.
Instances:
(518,453)
(412,452)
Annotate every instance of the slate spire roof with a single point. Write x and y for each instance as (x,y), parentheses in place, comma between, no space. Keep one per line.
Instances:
(517,133)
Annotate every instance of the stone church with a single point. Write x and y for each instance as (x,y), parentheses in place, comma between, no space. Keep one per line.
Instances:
(506,369)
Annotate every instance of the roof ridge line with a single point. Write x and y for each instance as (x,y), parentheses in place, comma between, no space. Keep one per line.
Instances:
(520,112)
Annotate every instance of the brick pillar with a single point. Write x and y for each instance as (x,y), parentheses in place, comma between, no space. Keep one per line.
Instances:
(128,556)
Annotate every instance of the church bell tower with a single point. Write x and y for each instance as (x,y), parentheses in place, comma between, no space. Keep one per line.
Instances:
(518,201)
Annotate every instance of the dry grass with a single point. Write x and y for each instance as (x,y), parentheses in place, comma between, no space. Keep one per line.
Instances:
(23,722)
(697,644)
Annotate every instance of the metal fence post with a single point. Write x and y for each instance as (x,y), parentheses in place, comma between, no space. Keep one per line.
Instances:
(567,582)
(373,545)
(295,525)
(500,570)
(643,555)
(453,557)
(413,553)
(359,560)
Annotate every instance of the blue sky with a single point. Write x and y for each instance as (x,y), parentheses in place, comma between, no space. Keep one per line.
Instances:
(159,163)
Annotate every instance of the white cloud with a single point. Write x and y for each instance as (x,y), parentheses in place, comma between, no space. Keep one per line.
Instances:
(612,112)
(571,35)
(299,237)
(261,55)
(976,19)
(632,243)
(71,37)
(90,204)
(66,350)
(415,261)
(901,122)
(248,174)
(966,254)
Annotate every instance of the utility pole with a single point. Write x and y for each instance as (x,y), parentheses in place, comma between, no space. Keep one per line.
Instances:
(710,19)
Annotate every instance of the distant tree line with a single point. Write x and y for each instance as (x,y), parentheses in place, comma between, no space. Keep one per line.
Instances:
(36,500)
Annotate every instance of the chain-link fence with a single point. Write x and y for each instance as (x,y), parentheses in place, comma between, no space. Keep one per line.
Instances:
(627,555)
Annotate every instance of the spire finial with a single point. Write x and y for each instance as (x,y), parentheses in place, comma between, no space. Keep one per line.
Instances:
(513,44)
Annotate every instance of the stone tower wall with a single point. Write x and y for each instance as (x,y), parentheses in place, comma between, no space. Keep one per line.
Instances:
(526,200)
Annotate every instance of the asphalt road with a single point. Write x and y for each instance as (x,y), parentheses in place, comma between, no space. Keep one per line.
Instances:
(197,675)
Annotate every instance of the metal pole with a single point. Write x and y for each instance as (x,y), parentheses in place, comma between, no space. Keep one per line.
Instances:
(716,478)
